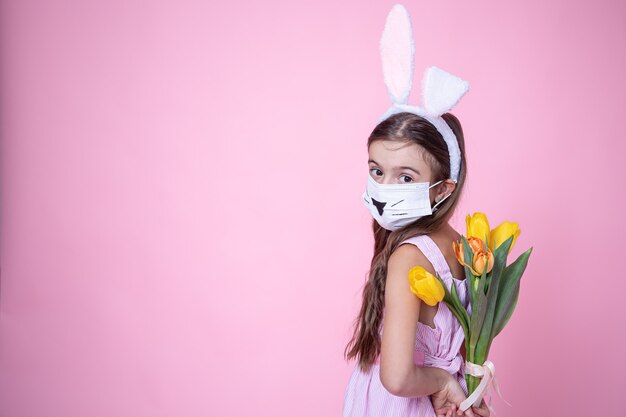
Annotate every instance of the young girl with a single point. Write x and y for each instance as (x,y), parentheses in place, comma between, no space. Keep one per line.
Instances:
(412,364)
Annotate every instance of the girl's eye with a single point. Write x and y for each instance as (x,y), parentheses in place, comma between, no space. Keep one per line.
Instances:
(375,170)
(406,176)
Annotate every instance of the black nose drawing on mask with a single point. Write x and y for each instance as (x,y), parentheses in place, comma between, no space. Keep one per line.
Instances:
(379,205)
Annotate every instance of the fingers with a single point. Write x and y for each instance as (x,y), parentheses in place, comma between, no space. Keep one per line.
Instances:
(447,411)
(467,413)
(483,411)
(443,412)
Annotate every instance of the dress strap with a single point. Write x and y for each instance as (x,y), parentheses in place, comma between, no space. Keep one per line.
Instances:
(432,252)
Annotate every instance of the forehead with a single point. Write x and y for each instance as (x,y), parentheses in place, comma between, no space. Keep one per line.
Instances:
(396,153)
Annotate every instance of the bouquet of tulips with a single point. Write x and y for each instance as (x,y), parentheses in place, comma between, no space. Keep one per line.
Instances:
(493,288)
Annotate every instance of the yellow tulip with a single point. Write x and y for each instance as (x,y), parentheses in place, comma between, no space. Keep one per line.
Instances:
(502,233)
(477,226)
(425,285)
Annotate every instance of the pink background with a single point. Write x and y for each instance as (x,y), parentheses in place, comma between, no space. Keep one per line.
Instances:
(182,230)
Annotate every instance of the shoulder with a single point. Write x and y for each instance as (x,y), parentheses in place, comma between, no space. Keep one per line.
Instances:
(397,286)
(447,234)
(406,256)
(454,235)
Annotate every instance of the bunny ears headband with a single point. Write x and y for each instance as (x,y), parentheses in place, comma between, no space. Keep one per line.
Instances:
(440,89)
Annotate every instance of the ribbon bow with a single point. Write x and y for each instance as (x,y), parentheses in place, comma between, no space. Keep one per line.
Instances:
(488,373)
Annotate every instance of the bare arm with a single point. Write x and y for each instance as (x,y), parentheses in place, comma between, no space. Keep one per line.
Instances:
(398,372)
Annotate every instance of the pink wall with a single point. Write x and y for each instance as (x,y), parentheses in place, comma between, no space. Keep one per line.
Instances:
(182,230)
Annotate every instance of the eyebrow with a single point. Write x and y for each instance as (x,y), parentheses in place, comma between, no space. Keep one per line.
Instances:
(397,168)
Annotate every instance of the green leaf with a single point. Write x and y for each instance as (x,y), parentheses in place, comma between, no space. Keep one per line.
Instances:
(459,306)
(468,257)
(454,304)
(447,297)
(509,293)
(485,279)
(484,340)
(470,286)
(468,253)
(498,326)
(479,310)
(475,321)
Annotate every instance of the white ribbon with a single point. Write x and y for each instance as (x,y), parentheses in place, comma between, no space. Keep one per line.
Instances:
(488,373)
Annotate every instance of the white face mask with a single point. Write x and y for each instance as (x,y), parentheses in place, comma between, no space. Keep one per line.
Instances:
(396,205)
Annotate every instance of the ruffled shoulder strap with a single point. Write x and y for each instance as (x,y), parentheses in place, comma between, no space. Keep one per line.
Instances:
(432,252)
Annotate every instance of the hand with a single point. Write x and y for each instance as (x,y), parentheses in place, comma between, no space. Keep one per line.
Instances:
(447,400)
(453,410)
(483,410)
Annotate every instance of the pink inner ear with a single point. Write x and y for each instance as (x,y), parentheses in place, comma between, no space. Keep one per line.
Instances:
(397,54)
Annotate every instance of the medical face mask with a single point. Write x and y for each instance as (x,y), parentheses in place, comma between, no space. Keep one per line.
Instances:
(396,205)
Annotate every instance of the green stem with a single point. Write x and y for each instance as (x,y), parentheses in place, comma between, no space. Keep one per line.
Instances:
(478,358)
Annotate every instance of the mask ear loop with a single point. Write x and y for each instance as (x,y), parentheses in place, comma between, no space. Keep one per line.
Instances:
(440,201)
(443,199)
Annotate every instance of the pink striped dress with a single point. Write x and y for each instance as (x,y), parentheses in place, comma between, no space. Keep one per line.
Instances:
(365,396)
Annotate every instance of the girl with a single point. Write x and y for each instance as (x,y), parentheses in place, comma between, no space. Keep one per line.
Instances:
(412,364)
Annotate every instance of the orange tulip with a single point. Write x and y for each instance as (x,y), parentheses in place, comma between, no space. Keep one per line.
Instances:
(483,259)
(476,244)
(459,251)
(481,255)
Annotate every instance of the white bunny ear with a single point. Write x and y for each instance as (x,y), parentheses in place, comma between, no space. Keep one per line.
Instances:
(441,90)
(397,51)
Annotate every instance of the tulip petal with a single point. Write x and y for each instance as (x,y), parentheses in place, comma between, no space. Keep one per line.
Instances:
(458,252)
(502,233)
(425,286)
(476,244)
(478,226)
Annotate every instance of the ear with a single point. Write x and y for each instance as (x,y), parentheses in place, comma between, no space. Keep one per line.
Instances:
(441,90)
(397,51)
(447,187)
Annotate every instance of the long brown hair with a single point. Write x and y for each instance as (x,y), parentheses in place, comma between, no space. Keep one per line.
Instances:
(411,128)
